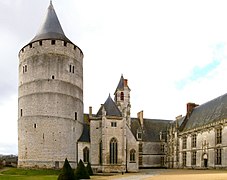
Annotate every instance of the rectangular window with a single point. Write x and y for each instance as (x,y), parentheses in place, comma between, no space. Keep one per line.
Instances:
(65,43)
(35,125)
(193,157)
(70,68)
(140,160)
(21,112)
(140,147)
(219,136)
(53,42)
(75,115)
(218,156)
(113,124)
(40,43)
(162,148)
(184,142)
(139,136)
(162,161)
(184,158)
(194,140)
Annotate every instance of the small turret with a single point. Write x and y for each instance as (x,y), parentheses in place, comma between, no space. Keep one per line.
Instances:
(122,98)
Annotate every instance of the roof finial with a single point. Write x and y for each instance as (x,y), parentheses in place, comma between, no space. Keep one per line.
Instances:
(51,3)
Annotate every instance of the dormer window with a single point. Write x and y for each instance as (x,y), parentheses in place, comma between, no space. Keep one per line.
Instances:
(139,135)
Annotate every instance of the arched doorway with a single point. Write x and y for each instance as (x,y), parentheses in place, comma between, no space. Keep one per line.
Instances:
(205,160)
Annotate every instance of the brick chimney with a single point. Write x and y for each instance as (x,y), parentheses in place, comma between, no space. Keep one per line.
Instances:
(190,107)
(125,82)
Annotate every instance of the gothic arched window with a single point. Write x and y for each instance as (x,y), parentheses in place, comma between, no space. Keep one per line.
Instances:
(86,154)
(122,96)
(113,151)
(132,155)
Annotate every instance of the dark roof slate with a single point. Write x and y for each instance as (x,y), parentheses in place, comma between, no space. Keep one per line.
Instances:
(110,108)
(85,137)
(151,128)
(51,27)
(207,113)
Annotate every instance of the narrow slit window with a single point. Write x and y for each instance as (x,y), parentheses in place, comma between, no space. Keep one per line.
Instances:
(35,125)
(21,112)
(75,115)
(73,69)
(25,68)
(65,43)
(70,68)
(30,45)
(40,43)
(53,77)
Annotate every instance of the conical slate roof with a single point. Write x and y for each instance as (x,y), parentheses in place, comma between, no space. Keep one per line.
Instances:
(51,27)
(110,108)
(121,85)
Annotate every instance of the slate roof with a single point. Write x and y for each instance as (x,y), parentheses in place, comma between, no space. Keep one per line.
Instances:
(110,108)
(85,137)
(120,85)
(207,113)
(51,27)
(151,128)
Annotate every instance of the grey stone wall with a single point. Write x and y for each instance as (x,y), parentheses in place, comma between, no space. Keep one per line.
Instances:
(50,103)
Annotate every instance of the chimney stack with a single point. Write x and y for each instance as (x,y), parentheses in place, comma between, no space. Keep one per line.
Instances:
(90,111)
(190,107)
(140,117)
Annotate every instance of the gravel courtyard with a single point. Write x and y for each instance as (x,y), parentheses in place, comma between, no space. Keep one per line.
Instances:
(169,174)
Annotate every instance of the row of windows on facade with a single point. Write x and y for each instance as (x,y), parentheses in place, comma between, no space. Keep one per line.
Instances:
(75,115)
(113,153)
(218,157)
(53,42)
(218,139)
(71,68)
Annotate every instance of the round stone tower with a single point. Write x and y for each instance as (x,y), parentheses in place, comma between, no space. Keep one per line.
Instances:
(50,102)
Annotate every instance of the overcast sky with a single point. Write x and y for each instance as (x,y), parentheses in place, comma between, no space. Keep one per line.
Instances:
(171,51)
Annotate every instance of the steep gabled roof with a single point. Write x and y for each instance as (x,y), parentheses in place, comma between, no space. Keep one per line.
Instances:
(51,27)
(110,108)
(207,113)
(85,137)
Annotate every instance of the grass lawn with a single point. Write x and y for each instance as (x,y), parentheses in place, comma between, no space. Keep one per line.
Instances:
(25,174)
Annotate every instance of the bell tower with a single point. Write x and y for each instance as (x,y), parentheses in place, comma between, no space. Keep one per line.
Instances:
(50,99)
(122,98)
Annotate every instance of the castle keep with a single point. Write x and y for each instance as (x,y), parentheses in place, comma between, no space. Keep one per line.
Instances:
(52,125)
(50,97)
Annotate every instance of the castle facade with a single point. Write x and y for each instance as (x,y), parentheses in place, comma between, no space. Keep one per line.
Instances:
(52,125)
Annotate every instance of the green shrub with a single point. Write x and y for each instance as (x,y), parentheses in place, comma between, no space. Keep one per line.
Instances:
(89,169)
(81,171)
(67,172)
